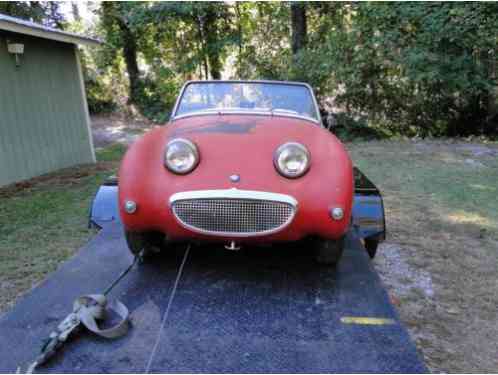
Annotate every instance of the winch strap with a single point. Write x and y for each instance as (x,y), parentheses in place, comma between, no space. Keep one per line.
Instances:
(91,308)
(87,310)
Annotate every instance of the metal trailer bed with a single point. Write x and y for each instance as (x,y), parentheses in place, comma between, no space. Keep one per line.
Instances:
(251,311)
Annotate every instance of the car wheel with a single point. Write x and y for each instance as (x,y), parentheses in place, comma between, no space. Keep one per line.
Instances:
(371,247)
(329,252)
(150,243)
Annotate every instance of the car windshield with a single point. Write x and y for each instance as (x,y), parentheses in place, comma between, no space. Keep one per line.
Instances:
(278,98)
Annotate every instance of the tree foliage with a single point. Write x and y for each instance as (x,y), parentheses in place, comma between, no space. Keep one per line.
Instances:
(160,45)
(47,13)
(406,67)
(419,68)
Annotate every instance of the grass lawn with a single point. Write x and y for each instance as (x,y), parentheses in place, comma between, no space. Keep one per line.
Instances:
(44,221)
(441,256)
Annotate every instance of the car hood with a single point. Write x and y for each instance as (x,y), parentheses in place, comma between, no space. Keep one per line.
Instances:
(245,145)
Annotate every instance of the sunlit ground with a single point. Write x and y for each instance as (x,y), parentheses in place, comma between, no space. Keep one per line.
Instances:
(440,260)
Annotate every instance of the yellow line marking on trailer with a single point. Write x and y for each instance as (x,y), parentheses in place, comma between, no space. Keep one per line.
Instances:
(366,320)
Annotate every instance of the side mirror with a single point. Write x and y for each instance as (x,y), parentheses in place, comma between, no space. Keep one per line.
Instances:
(331,122)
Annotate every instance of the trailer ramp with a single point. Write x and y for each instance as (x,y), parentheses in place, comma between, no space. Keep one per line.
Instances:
(253,311)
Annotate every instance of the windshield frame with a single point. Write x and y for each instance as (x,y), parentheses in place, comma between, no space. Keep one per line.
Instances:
(174,115)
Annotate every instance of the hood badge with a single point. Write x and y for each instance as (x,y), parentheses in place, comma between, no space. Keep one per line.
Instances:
(235,178)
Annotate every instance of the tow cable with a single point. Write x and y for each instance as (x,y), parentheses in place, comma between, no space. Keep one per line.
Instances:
(87,309)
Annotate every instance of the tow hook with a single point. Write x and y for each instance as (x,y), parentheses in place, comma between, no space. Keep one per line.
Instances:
(232,246)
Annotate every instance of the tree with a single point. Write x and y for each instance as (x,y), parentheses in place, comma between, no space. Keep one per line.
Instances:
(163,44)
(209,23)
(299,28)
(265,53)
(116,22)
(413,68)
(416,68)
(47,13)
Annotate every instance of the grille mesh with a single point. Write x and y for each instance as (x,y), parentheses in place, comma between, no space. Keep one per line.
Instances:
(236,216)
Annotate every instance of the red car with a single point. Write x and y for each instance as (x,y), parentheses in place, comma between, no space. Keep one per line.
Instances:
(239,163)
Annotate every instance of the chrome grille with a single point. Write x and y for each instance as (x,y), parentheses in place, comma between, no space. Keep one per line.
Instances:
(231,216)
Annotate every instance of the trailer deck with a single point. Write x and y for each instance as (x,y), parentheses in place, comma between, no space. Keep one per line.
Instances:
(253,311)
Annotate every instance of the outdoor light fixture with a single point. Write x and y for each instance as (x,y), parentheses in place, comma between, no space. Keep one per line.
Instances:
(16,49)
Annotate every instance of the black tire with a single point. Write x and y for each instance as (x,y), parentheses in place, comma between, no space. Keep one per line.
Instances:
(150,243)
(371,247)
(329,252)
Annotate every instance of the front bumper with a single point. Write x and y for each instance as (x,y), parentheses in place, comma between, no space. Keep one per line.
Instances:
(241,215)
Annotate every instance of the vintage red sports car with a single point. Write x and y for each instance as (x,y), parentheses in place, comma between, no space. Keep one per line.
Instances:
(239,162)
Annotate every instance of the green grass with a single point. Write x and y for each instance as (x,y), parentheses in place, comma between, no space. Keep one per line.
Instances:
(111,153)
(134,130)
(448,185)
(44,221)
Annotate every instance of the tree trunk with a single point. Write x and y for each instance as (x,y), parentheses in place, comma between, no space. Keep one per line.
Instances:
(239,39)
(203,59)
(55,19)
(298,25)
(110,15)
(491,100)
(76,11)
(212,48)
(130,57)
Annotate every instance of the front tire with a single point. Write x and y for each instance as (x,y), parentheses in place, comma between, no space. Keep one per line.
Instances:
(150,243)
(371,247)
(329,252)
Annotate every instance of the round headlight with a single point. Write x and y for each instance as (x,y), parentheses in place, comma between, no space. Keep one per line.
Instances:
(181,156)
(292,160)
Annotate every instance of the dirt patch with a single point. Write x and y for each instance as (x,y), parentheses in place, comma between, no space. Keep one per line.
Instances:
(402,278)
(111,129)
(64,177)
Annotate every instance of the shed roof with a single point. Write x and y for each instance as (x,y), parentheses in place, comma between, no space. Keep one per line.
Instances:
(21,26)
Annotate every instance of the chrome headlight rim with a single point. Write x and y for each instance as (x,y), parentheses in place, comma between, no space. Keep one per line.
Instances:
(282,148)
(191,146)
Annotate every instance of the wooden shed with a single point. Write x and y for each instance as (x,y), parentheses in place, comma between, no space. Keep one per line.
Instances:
(44,121)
